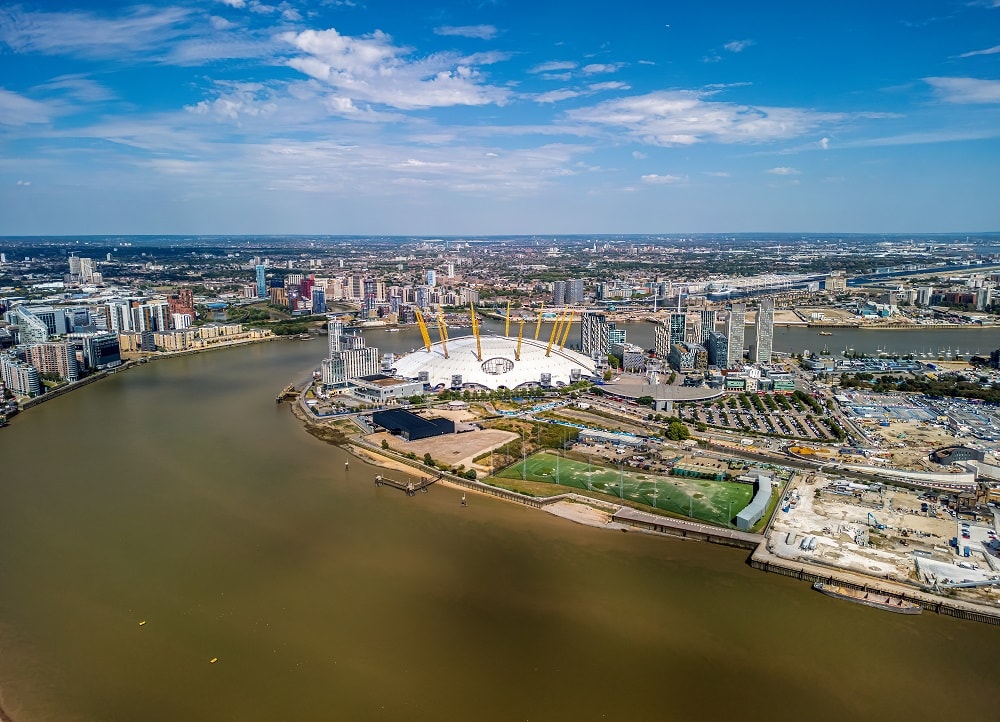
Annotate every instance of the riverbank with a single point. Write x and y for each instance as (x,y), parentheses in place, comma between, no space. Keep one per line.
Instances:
(604,515)
(131,360)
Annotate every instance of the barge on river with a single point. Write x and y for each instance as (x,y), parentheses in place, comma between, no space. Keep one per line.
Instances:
(869,598)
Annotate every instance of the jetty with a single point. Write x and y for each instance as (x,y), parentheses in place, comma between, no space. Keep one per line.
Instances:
(286,394)
(410,487)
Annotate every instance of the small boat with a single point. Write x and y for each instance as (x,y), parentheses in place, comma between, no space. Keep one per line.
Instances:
(825,333)
(464,502)
(870,598)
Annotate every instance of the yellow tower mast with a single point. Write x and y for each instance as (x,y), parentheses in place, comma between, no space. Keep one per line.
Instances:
(538,324)
(475,332)
(520,335)
(443,333)
(423,329)
(569,325)
(556,328)
(506,326)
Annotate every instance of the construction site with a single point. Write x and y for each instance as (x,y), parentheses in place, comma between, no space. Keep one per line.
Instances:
(889,532)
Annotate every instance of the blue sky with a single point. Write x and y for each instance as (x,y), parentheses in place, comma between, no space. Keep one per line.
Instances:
(502,117)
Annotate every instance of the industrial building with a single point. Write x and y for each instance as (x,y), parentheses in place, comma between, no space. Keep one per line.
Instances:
(410,427)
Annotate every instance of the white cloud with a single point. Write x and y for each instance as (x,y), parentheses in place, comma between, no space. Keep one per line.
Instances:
(24,183)
(966,90)
(554,96)
(483,32)
(17,110)
(655,179)
(738,46)
(234,3)
(610,85)
(78,87)
(373,69)
(553,66)
(783,170)
(638,155)
(824,143)
(686,117)
(716,173)
(239,100)
(988,51)
(140,29)
(595,68)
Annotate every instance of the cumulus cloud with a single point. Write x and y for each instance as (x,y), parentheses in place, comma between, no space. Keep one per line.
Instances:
(655,179)
(554,96)
(638,155)
(373,69)
(234,3)
(783,170)
(24,183)
(824,143)
(686,117)
(738,46)
(966,90)
(482,32)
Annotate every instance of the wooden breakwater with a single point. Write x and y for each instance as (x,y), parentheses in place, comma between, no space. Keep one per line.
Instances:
(765,561)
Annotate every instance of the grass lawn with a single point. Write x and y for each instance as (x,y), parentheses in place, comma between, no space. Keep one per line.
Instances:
(717,502)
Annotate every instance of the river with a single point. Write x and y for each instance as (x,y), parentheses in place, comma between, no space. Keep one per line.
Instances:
(177,493)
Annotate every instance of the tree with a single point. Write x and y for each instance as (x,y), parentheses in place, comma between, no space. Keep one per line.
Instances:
(645,401)
(385,444)
(428,459)
(470,475)
(678,431)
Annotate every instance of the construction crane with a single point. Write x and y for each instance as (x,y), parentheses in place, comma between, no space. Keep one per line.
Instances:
(443,333)
(423,329)
(475,332)
(520,334)
(569,325)
(872,521)
(506,326)
(538,323)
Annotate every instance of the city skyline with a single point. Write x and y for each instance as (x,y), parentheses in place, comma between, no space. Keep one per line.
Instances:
(240,116)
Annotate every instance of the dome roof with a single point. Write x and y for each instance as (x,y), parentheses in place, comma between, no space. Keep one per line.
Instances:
(498,367)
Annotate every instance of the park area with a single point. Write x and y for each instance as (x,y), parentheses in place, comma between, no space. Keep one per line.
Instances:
(716,502)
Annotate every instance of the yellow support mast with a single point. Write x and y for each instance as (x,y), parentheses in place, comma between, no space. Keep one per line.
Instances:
(520,335)
(556,328)
(475,332)
(506,326)
(443,333)
(423,329)
(538,324)
(569,325)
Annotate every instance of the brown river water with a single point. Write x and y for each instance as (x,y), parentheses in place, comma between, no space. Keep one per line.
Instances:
(177,493)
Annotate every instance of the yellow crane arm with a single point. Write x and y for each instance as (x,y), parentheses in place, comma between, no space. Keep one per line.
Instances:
(423,329)
(538,324)
(506,326)
(520,335)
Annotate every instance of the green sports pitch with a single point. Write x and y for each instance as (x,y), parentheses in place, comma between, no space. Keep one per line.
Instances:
(716,502)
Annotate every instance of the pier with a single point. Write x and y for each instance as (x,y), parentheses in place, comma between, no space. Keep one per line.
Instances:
(287,394)
(410,487)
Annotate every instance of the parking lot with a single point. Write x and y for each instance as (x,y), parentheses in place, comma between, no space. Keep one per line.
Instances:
(772,415)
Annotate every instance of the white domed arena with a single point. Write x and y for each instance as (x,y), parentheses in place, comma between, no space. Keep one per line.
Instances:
(500,367)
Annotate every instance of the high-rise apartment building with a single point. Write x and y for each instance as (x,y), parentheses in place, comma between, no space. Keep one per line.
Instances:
(735,329)
(574,291)
(54,358)
(677,322)
(707,317)
(594,334)
(558,293)
(432,278)
(764,331)
(21,378)
(718,349)
(261,284)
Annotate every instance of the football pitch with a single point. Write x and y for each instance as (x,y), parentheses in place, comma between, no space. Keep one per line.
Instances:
(717,502)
